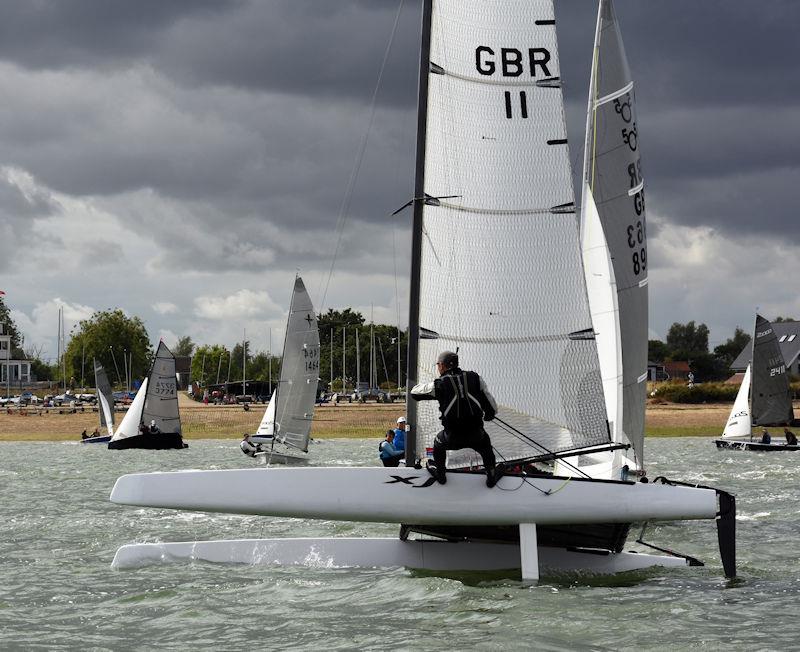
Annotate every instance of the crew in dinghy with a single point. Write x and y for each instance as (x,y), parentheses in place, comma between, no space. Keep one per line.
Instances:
(464,404)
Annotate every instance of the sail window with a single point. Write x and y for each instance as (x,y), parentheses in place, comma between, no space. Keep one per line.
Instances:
(783,339)
(791,337)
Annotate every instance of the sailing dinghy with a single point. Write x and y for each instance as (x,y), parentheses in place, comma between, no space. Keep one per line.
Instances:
(285,429)
(765,387)
(153,420)
(496,274)
(105,405)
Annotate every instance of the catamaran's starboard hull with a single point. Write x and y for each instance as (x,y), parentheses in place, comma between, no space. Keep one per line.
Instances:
(384,553)
(405,495)
(732,444)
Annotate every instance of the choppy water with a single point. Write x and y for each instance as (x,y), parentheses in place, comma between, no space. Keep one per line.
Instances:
(59,533)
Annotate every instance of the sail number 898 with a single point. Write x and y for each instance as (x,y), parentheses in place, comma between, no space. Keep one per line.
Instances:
(636,241)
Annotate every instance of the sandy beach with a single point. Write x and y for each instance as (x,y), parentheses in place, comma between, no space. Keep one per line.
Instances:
(343,420)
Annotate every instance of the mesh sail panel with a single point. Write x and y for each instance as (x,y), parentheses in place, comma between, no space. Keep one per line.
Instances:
(161,398)
(771,397)
(104,393)
(614,189)
(501,275)
(297,390)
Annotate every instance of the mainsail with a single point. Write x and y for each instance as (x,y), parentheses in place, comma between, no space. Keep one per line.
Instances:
(105,397)
(614,234)
(295,396)
(161,399)
(497,253)
(771,401)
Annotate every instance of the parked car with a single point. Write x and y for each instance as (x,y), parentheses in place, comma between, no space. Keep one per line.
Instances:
(65,399)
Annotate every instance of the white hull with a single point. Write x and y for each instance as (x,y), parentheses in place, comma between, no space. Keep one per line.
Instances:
(275,457)
(404,495)
(383,553)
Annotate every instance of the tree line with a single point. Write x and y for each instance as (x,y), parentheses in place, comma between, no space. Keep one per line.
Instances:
(347,343)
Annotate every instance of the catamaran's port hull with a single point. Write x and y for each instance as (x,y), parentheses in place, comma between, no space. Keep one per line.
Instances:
(405,495)
(385,553)
(732,444)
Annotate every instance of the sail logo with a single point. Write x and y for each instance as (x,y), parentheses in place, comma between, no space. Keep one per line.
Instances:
(764,333)
(513,63)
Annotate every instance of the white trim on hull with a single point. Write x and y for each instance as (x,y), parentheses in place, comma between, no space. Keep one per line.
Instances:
(384,553)
(399,495)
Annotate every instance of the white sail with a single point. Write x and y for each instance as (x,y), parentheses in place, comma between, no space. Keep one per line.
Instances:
(129,426)
(614,237)
(739,425)
(267,425)
(500,277)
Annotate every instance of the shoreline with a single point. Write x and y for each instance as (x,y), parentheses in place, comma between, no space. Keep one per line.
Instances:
(343,421)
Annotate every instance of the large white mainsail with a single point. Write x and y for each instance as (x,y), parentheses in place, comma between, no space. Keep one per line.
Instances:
(614,237)
(499,273)
(291,407)
(739,425)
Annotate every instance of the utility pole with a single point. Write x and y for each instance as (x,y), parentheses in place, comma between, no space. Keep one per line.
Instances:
(244,360)
(344,360)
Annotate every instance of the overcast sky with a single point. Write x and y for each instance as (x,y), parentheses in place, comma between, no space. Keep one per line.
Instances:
(182,160)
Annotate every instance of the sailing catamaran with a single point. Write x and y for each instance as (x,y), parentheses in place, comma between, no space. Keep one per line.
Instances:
(285,429)
(496,274)
(105,405)
(152,420)
(765,387)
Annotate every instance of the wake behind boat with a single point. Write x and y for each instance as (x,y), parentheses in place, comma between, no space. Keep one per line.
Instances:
(496,275)
(153,420)
(285,429)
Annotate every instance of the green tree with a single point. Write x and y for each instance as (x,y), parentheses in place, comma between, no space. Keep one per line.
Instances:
(113,339)
(687,341)
(657,351)
(207,361)
(780,319)
(9,327)
(727,352)
(184,347)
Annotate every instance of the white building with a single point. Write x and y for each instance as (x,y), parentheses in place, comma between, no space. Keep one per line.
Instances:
(15,371)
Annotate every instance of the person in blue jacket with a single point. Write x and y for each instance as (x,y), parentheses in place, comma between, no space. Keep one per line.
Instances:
(400,435)
(389,456)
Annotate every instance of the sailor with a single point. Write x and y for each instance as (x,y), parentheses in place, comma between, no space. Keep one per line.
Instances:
(248,448)
(765,438)
(464,404)
(153,429)
(400,435)
(84,435)
(791,439)
(389,455)
(96,432)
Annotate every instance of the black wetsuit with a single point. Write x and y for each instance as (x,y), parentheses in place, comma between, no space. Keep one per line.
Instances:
(464,403)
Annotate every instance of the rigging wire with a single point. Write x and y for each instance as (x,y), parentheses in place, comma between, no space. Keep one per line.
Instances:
(348,196)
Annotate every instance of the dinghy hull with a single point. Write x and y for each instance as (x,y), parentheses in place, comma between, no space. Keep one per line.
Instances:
(405,495)
(730,444)
(160,441)
(385,553)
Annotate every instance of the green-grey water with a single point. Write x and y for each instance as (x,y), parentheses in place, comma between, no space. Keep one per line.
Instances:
(60,532)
